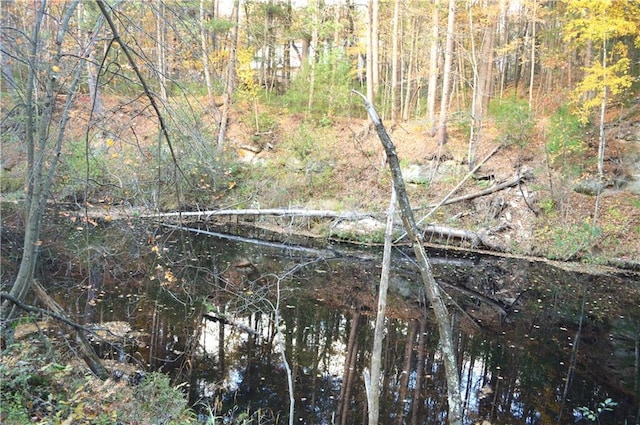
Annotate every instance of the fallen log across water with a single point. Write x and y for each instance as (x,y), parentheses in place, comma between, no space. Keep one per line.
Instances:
(275,212)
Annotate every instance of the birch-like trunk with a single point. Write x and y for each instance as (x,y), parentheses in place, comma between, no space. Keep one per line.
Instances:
(432,288)
(432,86)
(373,391)
(446,75)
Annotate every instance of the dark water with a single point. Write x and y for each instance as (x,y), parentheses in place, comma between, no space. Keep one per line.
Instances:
(535,343)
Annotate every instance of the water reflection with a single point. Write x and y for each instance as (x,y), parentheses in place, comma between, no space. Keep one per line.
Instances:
(534,342)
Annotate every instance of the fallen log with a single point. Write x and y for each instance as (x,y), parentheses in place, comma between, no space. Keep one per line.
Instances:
(516,180)
(277,212)
(477,239)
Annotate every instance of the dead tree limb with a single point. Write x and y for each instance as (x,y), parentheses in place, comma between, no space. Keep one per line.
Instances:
(55,311)
(426,271)
(88,355)
(516,180)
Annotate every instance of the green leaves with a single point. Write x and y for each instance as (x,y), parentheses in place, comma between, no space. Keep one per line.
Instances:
(603,406)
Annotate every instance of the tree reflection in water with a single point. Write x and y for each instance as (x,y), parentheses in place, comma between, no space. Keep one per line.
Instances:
(516,326)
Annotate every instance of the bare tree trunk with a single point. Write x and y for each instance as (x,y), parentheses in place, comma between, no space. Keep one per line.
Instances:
(315,42)
(432,288)
(446,76)
(231,76)
(532,59)
(433,70)
(369,55)
(162,50)
(6,68)
(394,62)
(43,152)
(205,57)
(375,55)
(373,390)
(406,111)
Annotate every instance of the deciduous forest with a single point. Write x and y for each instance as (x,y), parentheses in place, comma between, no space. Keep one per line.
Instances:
(516,125)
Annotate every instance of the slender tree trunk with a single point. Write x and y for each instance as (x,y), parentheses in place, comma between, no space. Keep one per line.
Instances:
(603,111)
(446,76)
(369,54)
(231,75)
(394,62)
(376,353)
(205,57)
(408,95)
(375,39)
(532,59)
(162,50)
(432,288)
(43,153)
(315,43)
(6,68)
(432,87)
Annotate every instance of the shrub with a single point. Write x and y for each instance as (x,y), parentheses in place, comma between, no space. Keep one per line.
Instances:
(514,118)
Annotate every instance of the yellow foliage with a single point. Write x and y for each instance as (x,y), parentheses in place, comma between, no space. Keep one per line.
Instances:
(247,83)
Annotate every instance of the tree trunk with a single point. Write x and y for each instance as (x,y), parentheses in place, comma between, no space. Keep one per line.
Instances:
(433,70)
(375,40)
(161,46)
(230,82)
(315,42)
(408,95)
(369,54)
(394,62)
(373,393)
(446,76)
(41,156)
(205,57)
(432,289)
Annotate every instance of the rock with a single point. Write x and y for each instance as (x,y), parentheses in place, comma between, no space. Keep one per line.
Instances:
(589,186)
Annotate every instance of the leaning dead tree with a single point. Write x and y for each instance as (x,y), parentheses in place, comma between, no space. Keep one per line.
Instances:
(432,288)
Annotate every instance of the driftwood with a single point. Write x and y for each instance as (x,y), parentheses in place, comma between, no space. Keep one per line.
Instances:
(216,317)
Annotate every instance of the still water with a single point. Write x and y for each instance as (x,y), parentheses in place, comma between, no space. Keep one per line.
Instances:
(535,343)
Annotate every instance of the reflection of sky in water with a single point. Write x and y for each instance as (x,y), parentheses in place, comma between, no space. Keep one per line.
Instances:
(332,364)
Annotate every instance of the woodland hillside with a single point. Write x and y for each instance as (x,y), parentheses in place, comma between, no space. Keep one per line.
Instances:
(198,105)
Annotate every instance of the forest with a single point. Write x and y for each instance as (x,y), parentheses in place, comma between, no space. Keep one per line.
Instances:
(508,127)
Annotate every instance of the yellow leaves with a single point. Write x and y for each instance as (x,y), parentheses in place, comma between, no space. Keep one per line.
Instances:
(55,69)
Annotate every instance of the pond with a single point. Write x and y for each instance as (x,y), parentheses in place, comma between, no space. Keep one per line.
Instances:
(535,343)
